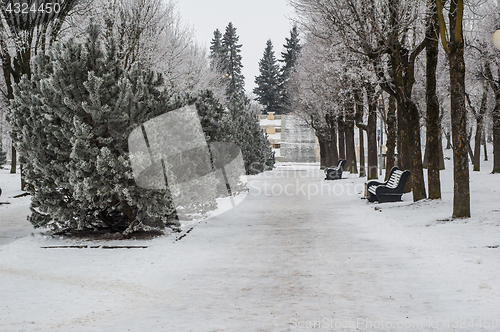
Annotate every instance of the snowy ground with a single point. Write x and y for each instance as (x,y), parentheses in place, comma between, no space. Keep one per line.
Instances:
(13,215)
(298,253)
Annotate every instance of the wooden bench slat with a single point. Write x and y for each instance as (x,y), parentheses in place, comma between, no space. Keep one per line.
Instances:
(393,181)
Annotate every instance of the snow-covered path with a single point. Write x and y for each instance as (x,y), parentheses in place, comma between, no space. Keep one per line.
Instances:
(298,253)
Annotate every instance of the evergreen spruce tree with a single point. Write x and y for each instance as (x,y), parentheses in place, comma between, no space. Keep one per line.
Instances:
(231,65)
(268,82)
(216,51)
(289,59)
(255,147)
(71,126)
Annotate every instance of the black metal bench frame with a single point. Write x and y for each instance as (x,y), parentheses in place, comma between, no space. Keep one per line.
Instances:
(335,173)
(390,190)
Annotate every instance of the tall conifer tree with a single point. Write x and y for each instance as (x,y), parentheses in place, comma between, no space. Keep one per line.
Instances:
(268,82)
(216,50)
(231,64)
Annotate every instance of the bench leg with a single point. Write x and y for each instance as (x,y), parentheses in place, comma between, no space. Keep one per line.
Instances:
(371,197)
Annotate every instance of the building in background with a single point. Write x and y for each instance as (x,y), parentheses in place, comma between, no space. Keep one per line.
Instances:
(291,139)
(271,125)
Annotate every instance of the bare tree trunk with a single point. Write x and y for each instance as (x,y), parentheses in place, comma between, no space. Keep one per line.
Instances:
(351,164)
(397,75)
(495,114)
(425,164)
(477,144)
(433,126)
(441,153)
(391,136)
(418,183)
(469,147)
(322,153)
(327,157)
(330,160)
(485,146)
(13,165)
(496,133)
(362,162)
(403,144)
(372,133)
(362,127)
(333,140)
(461,192)
(341,132)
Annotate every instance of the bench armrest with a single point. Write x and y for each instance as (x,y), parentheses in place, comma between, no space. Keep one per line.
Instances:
(374,183)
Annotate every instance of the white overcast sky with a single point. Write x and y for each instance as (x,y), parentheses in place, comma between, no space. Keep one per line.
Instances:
(256,21)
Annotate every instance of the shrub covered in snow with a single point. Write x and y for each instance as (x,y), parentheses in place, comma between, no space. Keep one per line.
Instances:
(70,125)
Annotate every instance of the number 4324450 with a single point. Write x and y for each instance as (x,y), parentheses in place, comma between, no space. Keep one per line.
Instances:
(25,8)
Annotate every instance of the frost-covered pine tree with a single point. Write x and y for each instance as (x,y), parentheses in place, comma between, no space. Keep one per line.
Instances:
(231,65)
(268,82)
(216,51)
(77,112)
(292,51)
(248,135)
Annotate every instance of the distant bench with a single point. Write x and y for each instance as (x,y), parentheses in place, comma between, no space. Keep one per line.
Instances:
(335,173)
(391,190)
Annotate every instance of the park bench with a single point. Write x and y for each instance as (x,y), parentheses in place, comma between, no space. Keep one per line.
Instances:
(374,183)
(390,190)
(335,173)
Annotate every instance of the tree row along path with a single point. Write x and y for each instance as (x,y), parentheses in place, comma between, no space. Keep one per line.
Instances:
(277,262)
